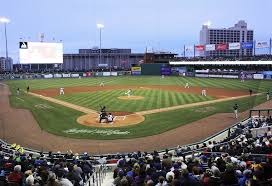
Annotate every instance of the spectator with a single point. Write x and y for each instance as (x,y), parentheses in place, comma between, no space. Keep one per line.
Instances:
(16,175)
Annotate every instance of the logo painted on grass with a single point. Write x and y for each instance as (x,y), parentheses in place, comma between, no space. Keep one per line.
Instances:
(43,106)
(96,131)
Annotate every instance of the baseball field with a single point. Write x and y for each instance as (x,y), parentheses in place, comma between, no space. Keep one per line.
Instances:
(157,104)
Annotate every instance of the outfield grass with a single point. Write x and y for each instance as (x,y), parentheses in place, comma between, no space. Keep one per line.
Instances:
(153,99)
(57,119)
(255,85)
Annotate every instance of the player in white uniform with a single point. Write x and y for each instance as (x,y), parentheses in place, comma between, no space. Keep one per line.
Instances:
(102,84)
(187,85)
(61,92)
(129,92)
(203,92)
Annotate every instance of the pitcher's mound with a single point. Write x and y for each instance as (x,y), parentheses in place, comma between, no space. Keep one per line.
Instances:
(121,119)
(131,97)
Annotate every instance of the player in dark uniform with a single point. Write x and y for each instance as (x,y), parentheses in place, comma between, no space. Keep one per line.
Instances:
(103,114)
(235,110)
(250,92)
(27,89)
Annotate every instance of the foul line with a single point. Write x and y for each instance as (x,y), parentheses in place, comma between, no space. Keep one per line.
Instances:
(153,111)
(64,103)
(192,104)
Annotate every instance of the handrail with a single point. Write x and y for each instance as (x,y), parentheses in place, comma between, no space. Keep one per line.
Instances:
(97,178)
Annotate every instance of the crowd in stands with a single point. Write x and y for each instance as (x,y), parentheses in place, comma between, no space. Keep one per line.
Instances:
(242,159)
(239,160)
(53,170)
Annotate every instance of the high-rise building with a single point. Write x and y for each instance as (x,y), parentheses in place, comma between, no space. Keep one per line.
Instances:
(6,64)
(237,34)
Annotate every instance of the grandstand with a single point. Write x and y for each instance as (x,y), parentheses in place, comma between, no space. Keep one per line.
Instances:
(238,155)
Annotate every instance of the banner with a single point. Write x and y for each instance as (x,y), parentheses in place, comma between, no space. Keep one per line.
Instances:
(210,47)
(234,46)
(135,68)
(262,44)
(222,46)
(247,45)
(199,47)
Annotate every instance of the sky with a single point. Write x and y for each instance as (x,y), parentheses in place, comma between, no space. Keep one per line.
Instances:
(165,25)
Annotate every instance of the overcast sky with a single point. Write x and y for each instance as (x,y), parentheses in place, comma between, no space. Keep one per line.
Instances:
(161,24)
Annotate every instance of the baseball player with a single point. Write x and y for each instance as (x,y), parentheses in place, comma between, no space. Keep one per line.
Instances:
(129,92)
(203,92)
(18,91)
(242,77)
(250,92)
(235,110)
(102,84)
(61,91)
(267,95)
(187,85)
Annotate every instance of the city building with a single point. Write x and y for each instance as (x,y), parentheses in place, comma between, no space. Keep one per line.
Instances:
(88,59)
(6,64)
(237,34)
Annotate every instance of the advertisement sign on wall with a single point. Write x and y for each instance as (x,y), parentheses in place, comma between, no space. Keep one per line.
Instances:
(247,45)
(210,47)
(199,47)
(166,71)
(260,44)
(222,46)
(234,46)
(136,70)
(258,76)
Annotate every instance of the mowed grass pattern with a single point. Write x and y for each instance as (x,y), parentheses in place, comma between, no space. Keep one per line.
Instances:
(255,85)
(153,99)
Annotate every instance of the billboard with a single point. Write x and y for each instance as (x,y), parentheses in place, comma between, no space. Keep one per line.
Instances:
(136,70)
(222,46)
(262,44)
(210,47)
(234,46)
(247,45)
(165,70)
(199,47)
(40,53)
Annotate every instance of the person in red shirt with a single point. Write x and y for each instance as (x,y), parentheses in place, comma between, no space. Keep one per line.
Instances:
(16,175)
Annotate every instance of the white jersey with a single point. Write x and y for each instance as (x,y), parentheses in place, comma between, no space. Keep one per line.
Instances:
(61,91)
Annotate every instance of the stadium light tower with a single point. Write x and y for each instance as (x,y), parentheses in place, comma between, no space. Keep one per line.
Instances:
(100,26)
(5,21)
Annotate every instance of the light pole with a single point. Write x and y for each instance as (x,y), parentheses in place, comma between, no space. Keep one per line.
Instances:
(5,21)
(100,26)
